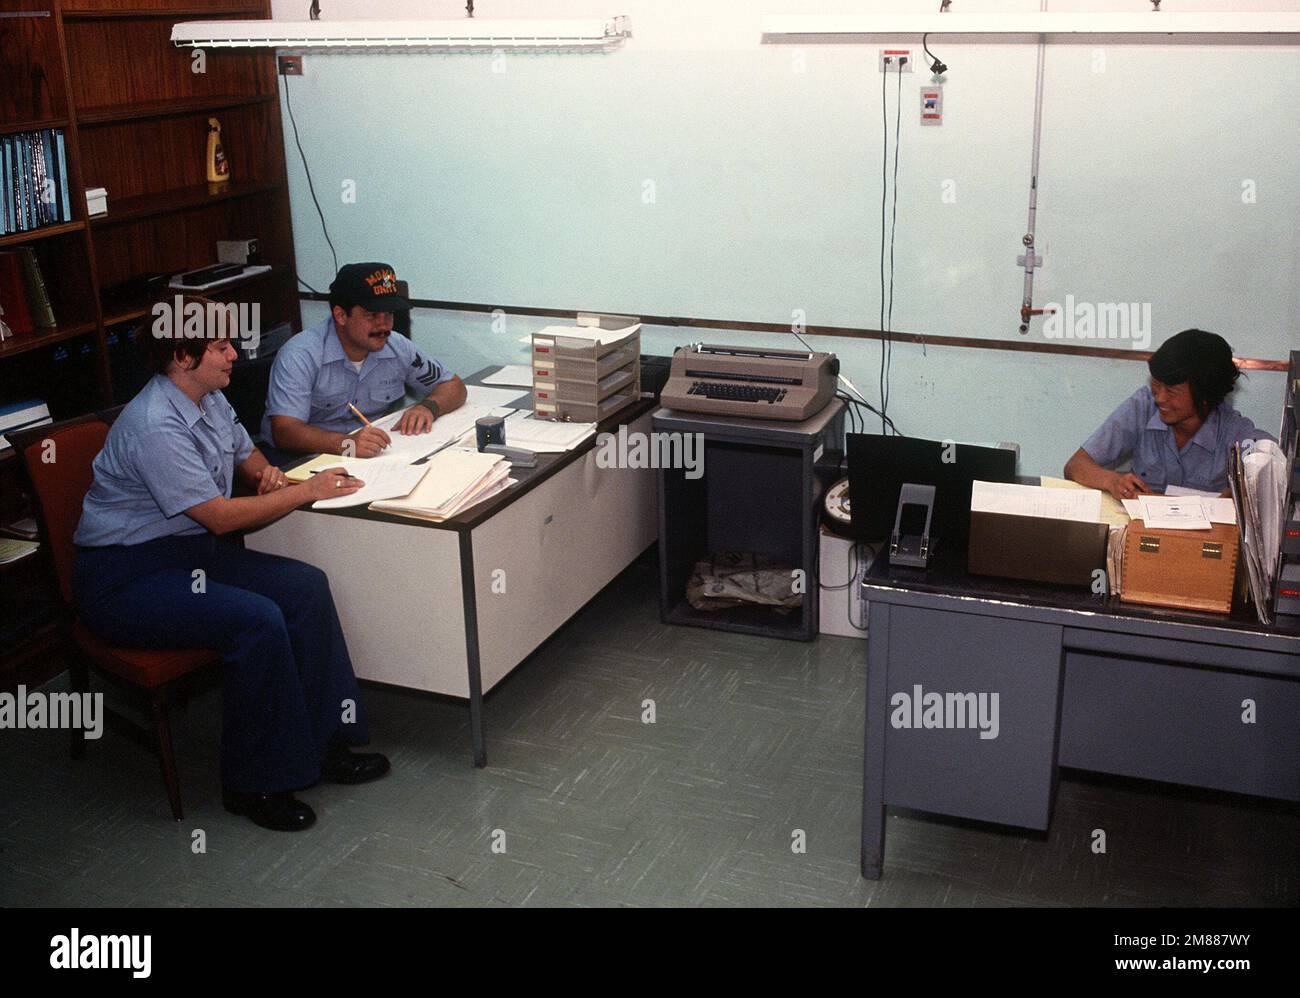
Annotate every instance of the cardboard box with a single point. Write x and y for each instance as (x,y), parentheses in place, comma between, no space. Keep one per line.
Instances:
(1036,548)
(1185,569)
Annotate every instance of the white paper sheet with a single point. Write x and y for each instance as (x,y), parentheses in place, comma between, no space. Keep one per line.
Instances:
(478,395)
(592,334)
(385,479)
(544,436)
(1174,512)
(1217,509)
(1265,467)
(1083,505)
(456,479)
(1183,490)
(511,374)
(1111,510)
(453,426)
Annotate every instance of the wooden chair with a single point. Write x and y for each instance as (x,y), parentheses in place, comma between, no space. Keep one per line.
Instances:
(61,484)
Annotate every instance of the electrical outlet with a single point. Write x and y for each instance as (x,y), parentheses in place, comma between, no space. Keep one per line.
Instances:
(896,60)
(291,65)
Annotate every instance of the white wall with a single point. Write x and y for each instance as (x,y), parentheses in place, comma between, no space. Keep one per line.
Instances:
(518,191)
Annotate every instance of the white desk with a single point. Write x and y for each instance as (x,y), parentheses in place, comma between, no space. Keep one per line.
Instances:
(453,607)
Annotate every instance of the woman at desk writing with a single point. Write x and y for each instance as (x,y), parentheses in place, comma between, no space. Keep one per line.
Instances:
(1176,430)
(153,570)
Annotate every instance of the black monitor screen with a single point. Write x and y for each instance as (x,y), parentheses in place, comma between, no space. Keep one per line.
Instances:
(879,466)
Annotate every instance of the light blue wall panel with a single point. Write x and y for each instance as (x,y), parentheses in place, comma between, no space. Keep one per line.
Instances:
(528,187)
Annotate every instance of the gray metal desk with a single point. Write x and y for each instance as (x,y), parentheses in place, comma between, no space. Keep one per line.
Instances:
(1082,681)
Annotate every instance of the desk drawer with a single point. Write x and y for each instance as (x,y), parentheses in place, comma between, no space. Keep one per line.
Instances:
(1010,778)
(1181,724)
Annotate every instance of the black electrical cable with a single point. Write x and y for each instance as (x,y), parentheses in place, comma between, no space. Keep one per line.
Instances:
(850,411)
(310,186)
(853,574)
(884,163)
(870,408)
(936,67)
(893,228)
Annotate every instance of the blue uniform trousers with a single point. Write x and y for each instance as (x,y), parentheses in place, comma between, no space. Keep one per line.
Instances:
(288,684)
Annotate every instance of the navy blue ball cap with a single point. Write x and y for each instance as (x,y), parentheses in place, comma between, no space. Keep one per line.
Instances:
(373,286)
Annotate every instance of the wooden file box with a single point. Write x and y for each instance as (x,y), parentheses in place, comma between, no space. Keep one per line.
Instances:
(1187,569)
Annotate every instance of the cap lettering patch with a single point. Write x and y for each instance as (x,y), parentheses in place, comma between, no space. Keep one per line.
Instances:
(382,282)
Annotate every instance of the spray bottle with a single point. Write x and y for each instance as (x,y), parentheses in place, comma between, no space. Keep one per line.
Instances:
(218,165)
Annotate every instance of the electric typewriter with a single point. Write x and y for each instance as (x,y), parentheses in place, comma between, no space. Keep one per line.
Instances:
(743,381)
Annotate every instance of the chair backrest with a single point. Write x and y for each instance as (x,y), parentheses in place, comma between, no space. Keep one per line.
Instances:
(58,460)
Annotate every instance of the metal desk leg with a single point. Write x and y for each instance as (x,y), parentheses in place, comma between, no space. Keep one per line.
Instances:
(470,600)
(873,754)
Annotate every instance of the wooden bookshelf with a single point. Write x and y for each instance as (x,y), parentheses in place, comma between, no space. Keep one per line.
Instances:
(130,209)
(134,119)
(22,342)
(44,232)
(117,313)
(33,125)
(162,9)
(165,109)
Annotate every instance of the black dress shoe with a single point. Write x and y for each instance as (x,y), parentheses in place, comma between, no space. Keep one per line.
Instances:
(341,765)
(281,812)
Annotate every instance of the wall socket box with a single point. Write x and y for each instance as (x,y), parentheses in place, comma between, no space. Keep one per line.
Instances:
(896,60)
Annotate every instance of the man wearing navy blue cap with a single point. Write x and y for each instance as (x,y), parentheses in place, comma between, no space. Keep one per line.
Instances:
(351,359)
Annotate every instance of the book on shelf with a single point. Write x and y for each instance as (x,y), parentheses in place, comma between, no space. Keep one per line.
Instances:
(24,529)
(13,294)
(12,549)
(38,299)
(21,415)
(24,301)
(34,172)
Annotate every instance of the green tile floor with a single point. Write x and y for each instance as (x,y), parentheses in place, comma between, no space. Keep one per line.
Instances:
(754,740)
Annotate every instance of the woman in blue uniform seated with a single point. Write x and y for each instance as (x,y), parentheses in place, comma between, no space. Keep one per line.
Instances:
(1176,430)
(153,569)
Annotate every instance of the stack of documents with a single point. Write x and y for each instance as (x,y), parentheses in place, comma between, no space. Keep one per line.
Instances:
(1185,510)
(385,478)
(455,481)
(396,472)
(454,428)
(1111,510)
(447,431)
(1083,505)
(544,436)
(1257,476)
(598,334)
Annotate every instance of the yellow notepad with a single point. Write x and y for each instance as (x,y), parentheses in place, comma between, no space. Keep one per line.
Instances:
(320,462)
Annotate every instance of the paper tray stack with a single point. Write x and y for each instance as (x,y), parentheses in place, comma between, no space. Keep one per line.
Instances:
(586,372)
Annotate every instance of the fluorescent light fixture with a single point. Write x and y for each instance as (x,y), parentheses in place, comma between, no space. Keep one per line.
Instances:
(465,34)
(1148,25)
